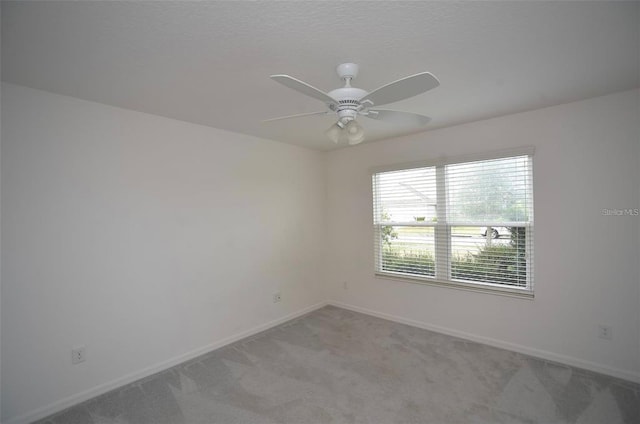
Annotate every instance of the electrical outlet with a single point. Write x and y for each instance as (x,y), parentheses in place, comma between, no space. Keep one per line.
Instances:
(78,354)
(277,297)
(605,332)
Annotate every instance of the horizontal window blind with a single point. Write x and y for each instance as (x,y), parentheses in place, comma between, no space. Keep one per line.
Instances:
(409,198)
(489,192)
(469,222)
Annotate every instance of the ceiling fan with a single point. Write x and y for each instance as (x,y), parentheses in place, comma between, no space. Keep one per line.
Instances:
(348,102)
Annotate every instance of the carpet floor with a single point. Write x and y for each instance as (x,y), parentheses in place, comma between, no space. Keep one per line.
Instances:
(338,366)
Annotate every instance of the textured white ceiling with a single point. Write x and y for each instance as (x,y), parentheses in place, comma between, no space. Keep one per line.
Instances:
(209,62)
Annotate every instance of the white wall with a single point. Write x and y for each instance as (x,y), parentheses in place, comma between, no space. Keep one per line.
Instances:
(118,232)
(144,238)
(586,264)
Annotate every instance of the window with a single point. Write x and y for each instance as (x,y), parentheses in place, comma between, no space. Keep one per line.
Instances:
(460,222)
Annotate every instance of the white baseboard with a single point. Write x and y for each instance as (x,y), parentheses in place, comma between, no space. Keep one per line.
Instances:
(538,353)
(60,405)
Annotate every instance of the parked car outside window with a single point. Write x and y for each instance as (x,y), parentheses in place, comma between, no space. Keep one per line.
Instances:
(496,232)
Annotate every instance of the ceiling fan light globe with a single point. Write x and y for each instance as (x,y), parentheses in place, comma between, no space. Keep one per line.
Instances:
(355,132)
(353,140)
(353,127)
(334,132)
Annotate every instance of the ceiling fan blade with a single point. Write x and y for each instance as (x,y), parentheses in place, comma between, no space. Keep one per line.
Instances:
(402,89)
(303,88)
(397,117)
(299,115)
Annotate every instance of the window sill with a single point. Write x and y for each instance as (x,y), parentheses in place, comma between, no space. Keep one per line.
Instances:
(486,288)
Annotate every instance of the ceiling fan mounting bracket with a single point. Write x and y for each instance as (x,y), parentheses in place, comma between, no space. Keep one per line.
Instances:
(347,71)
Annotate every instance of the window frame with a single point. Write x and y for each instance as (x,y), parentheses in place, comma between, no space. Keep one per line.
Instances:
(442,229)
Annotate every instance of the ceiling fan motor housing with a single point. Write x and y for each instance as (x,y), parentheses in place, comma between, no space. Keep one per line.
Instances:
(347,102)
